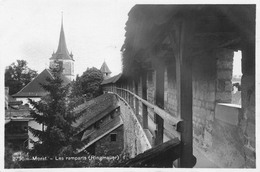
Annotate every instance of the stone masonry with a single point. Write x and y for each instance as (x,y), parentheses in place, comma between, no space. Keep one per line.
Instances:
(224,75)
(170,92)
(105,146)
(151,91)
(204,95)
(136,141)
(247,122)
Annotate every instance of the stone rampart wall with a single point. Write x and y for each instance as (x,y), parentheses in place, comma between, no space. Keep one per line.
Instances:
(135,139)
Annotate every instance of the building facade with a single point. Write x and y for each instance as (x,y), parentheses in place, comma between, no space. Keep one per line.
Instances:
(100,128)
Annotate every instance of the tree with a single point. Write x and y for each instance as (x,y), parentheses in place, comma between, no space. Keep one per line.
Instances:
(91,82)
(76,89)
(76,94)
(17,75)
(55,113)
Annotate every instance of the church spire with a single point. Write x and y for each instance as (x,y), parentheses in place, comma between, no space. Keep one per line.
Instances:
(63,56)
(62,51)
(61,18)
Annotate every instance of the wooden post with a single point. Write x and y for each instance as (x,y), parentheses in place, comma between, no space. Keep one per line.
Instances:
(185,110)
(131,96)
(136,100)
(127,94)
(248,58)
(184,90)
(118,91)
(121,92)
(113,87)
(159,99)
(159,129)
(124,94)
(144,96)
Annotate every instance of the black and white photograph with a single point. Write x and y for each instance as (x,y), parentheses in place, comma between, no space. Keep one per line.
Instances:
(129,85)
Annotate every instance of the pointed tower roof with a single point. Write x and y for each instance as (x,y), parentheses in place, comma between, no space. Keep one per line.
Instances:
(104,68)
(62,51)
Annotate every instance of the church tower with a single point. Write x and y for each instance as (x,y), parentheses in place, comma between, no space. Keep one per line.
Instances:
(62,56)
(105,70)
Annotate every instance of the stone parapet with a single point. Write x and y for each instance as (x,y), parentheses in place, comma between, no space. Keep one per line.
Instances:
(228,113)
(135,139)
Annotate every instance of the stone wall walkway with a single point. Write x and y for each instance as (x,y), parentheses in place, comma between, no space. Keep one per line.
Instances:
(202,161)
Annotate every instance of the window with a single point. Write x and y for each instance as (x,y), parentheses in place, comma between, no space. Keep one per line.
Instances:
(112,115)
(97,125)
(236,78)
(112,137)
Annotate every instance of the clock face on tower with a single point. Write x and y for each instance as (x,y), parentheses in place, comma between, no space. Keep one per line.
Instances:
(67,68)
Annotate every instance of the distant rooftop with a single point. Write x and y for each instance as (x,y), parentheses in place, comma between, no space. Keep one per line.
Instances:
(94,110)
(112,79)
(34,89)
(100,133)
(104,68)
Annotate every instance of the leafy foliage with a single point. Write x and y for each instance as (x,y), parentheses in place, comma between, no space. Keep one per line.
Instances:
(17,75)
(76,88)
(89,84)
(55,113)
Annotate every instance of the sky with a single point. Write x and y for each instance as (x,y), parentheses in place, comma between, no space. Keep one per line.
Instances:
(94,31)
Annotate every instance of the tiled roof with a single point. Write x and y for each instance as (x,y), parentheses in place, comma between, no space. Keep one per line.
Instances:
(94,110)
(104,68)
(112,79)
(91,138)
(17,113)
(33,89)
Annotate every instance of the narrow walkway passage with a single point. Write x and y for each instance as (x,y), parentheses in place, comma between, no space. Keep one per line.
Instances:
(202,161)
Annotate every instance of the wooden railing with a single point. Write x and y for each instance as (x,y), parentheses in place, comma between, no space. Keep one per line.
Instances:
(127,95)
(170,125)
(173,121)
